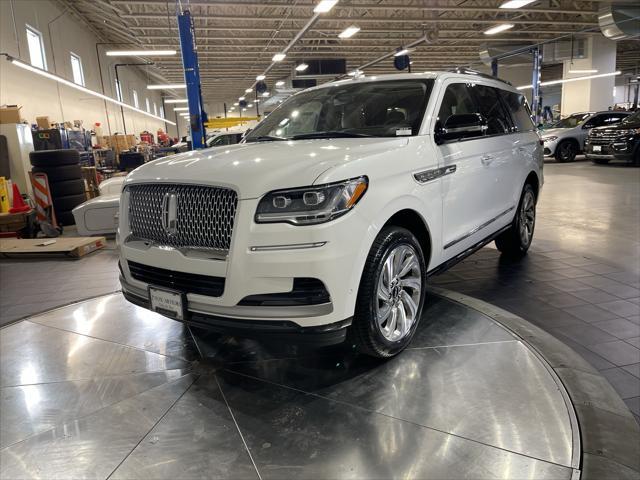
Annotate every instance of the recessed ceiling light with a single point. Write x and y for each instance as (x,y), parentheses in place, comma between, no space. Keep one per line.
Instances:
(278,57)
(260,77)
(280,83)
(498,28)
(516,3)
(349,32)
(301,67)
(324,6)
(145,53)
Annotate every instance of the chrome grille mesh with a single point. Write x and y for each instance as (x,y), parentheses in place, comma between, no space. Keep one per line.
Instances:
(603,137)
(205,215)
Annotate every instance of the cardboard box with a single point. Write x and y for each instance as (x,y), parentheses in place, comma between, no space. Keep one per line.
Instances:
(131,140)
(43,122)
(10,114)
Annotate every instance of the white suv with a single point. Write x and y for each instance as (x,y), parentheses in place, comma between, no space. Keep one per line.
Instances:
(328,219)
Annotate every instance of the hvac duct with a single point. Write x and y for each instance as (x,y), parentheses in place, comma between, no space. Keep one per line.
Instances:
(619,20)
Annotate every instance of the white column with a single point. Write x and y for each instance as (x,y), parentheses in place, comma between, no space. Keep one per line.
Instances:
(596,93)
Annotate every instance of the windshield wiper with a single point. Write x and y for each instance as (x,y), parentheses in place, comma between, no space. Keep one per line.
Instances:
(329,134)
(264,138)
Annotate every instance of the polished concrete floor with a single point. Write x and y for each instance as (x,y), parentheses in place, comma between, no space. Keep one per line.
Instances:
(104,389)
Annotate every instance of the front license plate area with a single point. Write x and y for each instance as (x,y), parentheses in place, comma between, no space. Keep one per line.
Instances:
(167,302)
(597,148)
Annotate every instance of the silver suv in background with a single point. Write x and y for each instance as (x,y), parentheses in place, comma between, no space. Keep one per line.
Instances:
(566,138)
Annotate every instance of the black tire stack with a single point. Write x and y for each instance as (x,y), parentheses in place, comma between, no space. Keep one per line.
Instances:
(65,180)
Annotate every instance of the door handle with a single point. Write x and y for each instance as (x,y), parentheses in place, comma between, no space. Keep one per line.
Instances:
(486,159)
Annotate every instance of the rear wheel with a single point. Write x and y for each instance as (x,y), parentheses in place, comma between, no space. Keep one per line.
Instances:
(517,239)
(566,151)
(391,294)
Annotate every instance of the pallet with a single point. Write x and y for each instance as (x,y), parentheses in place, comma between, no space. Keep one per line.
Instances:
(74,247)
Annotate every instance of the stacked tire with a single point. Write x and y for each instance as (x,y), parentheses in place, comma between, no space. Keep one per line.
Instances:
(65,180)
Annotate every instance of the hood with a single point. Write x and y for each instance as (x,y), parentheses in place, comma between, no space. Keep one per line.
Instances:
(556,132)
(254,169)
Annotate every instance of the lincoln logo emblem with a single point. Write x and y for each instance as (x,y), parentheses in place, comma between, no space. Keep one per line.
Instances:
(170,213)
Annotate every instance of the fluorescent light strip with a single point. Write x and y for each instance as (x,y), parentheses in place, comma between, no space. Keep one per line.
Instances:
(302,67)
(349,32)
(169,86)
(516,3)
(567,80)
(278,57)
(176,100)
(260,78)
(498,28)
(324,6)
(181,109)
(280,83)
(58,79)
(142,53)
(402,52)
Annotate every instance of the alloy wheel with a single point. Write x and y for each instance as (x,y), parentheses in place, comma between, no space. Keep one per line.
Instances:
(399,292)
(527,218)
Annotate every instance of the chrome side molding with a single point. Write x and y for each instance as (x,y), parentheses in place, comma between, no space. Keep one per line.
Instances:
(478,228)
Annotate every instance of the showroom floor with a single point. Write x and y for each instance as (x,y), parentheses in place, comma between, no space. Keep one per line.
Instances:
(580,282)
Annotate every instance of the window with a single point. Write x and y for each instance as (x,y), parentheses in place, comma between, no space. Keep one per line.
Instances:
(456,100)
(76,69)
(136,102)
(519,109)
(36,48)
(155,109)
(491,108)
(118,91)
(380,109)
(146,100)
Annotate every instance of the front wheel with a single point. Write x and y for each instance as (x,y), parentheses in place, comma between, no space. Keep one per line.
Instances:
(517,239)
(566,151)
(391,294)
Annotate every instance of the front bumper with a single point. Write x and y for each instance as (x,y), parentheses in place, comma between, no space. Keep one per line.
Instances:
(281,330)
(604,152)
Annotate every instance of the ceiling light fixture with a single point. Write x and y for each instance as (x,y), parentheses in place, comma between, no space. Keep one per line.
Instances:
(250,105)
(280,83)
(516,3)
(355,73)
(142,53)
(401,52)
(498,28)
(301,67)
(241,98)
(248,90)
(324,6)
(260,77)
(236,104)
(181,109)
(168,86)
(265,94)
(278,57)
(349,32)
(63,81)
(567,80)
(176,100)
(586,70)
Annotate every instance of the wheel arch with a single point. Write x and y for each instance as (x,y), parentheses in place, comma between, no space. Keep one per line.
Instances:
(533,180)
(416,224)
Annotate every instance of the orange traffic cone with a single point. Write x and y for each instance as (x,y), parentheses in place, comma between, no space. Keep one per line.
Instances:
(18,203)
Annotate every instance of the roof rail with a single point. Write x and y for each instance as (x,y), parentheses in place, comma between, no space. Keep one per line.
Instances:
(479,74)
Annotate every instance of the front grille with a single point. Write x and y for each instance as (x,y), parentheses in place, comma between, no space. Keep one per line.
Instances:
(603,137)
(204,215)
(183,282)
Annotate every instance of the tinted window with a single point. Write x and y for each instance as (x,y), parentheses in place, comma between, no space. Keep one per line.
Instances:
(519,109)
(572,121)
(492,109)
(613,118)
(456,100)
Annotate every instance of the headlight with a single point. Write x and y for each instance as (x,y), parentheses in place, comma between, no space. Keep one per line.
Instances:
(311,205)
(549,139)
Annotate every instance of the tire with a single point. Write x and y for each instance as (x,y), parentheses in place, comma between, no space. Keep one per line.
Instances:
(566,151)
(58,174)
(68,202)
(66,187)
(517,239)
(65,218)
(54,158)
(601,161)
(389,336)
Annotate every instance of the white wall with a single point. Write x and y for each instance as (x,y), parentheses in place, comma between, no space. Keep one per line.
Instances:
(40,96)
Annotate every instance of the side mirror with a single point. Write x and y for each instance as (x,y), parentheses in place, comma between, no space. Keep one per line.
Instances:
(463,125)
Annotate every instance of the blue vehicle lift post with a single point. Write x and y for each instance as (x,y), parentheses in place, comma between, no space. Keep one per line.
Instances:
(192,79)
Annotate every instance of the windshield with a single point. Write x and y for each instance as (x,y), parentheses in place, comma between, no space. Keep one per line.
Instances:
(572,121)
(633,118)
(371,109)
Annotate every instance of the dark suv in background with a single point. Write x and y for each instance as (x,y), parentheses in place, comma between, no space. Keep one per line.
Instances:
(615,142)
